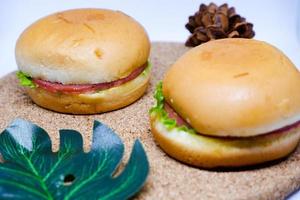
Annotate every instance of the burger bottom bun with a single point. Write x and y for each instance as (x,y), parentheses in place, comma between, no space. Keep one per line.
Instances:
(91,103)
(212,152)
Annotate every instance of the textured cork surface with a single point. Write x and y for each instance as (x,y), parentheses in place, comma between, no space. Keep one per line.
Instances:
(168,178)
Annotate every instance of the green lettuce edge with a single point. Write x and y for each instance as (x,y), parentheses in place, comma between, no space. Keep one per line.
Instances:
(158,111)
(25,80)
(147,69)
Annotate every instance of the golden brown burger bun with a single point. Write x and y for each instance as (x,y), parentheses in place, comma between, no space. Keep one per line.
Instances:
(212,152)
(102,101)
(82,46)
(234,87)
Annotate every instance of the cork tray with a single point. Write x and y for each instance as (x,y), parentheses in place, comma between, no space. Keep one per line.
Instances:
(168,179)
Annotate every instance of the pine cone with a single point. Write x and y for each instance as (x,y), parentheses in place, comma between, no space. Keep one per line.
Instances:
(212,22)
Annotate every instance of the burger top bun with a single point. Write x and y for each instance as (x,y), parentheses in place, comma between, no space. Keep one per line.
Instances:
(82,46)
(234,87)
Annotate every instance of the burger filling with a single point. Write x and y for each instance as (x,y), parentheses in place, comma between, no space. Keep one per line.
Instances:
(172,120)
(28,81)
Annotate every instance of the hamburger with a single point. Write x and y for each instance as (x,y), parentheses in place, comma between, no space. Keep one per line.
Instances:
(84,61)
(228,103)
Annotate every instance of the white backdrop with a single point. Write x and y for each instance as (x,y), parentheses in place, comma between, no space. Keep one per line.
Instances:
(275,21)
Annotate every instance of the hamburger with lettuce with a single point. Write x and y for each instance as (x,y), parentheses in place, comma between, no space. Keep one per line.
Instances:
(84,61)
(228,103)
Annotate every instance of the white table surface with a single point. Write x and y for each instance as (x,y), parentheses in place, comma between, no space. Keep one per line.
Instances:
(275,21)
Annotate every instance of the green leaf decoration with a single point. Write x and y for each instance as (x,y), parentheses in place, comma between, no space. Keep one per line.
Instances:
(25,80)
(32,171)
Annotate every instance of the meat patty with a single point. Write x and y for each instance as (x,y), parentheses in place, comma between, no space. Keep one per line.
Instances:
(180,122)
(86,88)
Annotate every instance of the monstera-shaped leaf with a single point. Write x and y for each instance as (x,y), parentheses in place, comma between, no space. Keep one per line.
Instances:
(32,171)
